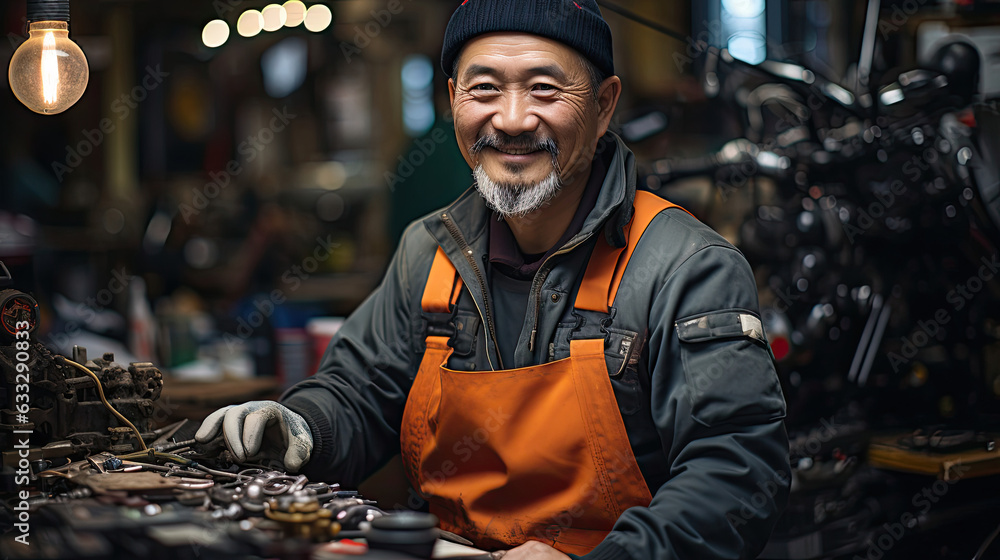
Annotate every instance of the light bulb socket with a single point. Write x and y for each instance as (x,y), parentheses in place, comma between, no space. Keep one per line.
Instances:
(48,10)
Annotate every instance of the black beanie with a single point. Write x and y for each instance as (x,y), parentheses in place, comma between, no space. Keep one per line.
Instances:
(576,23)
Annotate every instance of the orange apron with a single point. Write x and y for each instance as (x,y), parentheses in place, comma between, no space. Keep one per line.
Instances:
(536,453)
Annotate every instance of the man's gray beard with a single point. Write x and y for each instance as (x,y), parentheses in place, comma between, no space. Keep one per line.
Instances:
(516,199)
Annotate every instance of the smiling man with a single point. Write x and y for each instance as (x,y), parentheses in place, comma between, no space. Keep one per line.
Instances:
(566,365)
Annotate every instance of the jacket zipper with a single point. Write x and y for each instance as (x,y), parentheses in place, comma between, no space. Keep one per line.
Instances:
(538,295)
(467,252)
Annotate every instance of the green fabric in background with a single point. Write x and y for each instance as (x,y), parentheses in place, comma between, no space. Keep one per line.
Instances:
(429,174)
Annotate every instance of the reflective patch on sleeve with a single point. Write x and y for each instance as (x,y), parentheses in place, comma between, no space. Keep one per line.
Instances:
(752,327)
(721,324)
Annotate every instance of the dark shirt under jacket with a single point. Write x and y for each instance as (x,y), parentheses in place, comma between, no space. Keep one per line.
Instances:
(511,271)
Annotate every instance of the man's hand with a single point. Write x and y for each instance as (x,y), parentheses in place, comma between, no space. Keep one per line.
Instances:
(261,430)
(531,550)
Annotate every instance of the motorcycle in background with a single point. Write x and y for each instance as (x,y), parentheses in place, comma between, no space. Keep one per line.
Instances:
(873,235)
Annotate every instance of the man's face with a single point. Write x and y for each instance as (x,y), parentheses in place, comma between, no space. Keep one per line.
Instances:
(525,114)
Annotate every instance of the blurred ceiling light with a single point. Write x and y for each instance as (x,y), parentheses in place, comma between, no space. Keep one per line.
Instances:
(331,175)
(744,8)
(215,34)
(274,17)
(417,73)
(284,66)
(250,23)
(748,47)
(744,33)
(418,94)
(295,13)
(318,18)
(48,73)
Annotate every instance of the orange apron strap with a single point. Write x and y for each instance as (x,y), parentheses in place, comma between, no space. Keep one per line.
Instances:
(607,264)
(443,286)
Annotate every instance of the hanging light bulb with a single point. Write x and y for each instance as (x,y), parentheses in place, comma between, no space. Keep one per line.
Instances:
(48,73)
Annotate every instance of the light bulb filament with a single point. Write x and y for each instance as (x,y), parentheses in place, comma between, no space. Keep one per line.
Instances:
(50,68)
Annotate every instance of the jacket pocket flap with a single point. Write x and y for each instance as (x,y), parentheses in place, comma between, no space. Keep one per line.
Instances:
(728,368)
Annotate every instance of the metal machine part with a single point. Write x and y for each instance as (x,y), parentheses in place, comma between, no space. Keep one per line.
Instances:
(300,515)
(66,415)
(130,499)
(16,309)
(102,472)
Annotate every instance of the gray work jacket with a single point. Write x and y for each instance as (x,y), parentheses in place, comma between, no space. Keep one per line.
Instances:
(694,380)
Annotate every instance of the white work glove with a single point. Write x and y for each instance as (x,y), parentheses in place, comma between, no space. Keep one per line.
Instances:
(261,430)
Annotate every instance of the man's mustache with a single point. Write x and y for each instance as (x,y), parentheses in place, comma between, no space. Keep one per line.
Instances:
(520,143)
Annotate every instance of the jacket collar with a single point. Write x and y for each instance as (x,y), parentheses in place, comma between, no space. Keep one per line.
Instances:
(612,212)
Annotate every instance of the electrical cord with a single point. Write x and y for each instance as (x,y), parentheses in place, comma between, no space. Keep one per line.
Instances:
(629,14)
(986,544)
(100,392)
(152,454)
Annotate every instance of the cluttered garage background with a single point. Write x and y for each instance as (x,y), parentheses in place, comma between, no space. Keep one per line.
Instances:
(235,175)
